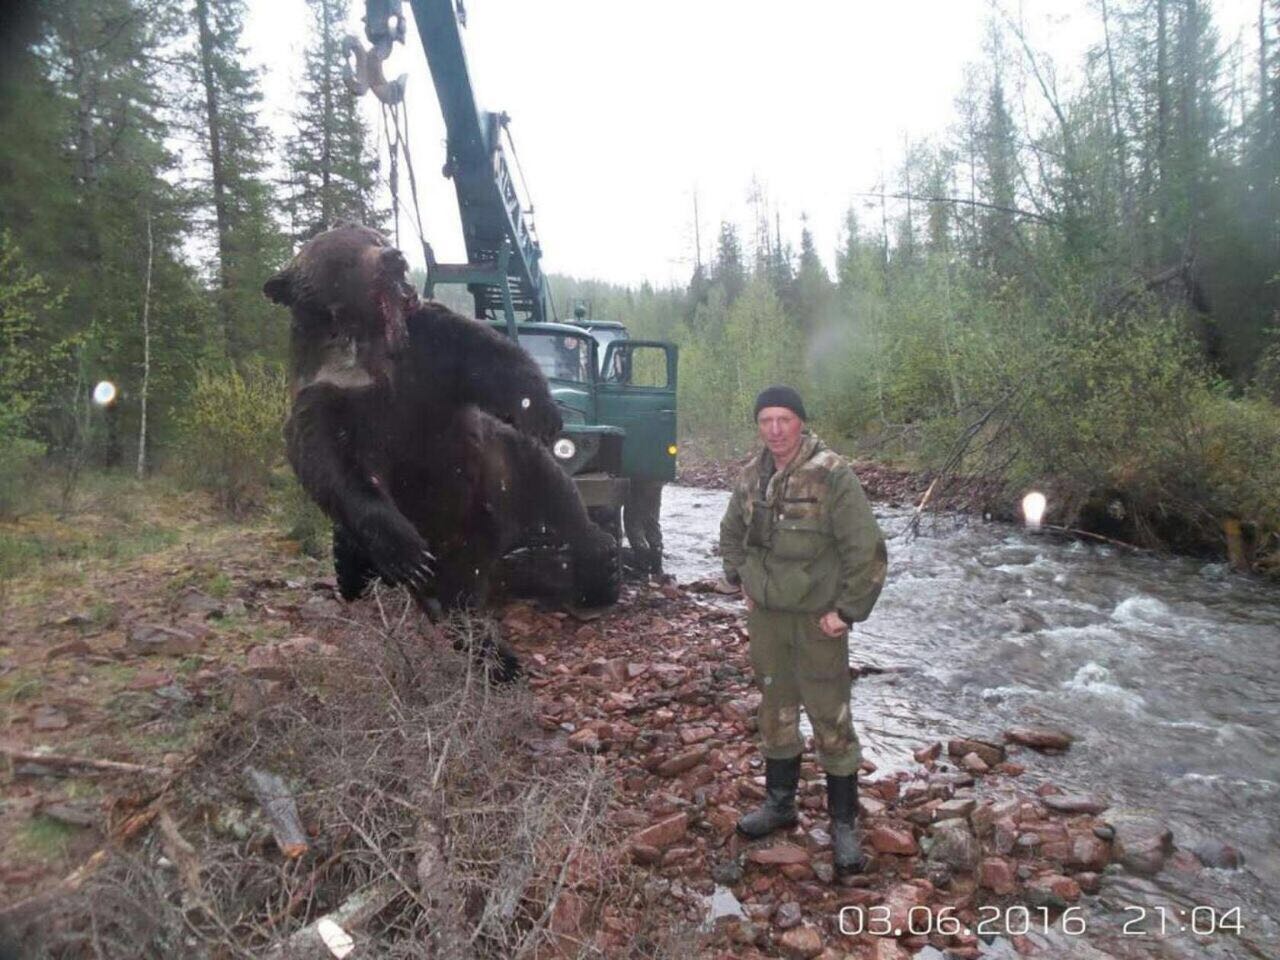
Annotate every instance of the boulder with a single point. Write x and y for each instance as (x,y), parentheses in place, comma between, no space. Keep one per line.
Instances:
(1075,803)
(990,751)
(154,640)
(954,845)
(1222,856)
(1040,738)
(1141,844)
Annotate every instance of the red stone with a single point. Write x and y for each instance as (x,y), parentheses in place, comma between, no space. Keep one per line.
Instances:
(928,754)
(802,943)
(646,855)
(1088,853)
(663,833)
(779,854)
(899,900)
(692,735)
(1064,887)
(885,838)
(682,762)
(1040,738)
(585,740)
(991,753)
(996,874)
(797,871)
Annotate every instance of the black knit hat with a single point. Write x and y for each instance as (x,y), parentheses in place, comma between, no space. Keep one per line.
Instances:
(780,396)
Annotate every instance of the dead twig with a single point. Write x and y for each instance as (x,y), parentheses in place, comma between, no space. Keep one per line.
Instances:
(60,761)
(309,885)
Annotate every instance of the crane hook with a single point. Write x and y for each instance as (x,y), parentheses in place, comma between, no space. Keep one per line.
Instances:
(364,73)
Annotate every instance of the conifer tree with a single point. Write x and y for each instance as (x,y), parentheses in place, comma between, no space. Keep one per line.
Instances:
(728,270)
(333,171)
(236,147)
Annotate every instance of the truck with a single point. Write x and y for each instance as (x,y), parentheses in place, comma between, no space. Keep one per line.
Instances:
(617,395)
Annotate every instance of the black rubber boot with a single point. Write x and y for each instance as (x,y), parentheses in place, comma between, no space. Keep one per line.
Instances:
(842,805)
(781,777)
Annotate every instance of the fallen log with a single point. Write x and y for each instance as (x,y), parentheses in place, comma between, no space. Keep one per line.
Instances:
(281,810)
(60,761)
(330,936)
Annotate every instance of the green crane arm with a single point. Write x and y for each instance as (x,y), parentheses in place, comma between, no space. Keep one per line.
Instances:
(503,271)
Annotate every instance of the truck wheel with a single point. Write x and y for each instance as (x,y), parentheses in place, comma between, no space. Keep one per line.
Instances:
(351,567)
(596,583)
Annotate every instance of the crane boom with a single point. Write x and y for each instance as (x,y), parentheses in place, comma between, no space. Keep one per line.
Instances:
(502,270)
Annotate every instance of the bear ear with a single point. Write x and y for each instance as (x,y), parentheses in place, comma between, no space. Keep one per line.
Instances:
(279,289)
(394,263)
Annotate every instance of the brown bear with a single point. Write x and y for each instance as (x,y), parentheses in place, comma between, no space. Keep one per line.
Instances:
(421,433)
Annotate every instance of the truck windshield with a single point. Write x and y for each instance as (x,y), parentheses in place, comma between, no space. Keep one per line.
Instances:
(560,356)
(605,336)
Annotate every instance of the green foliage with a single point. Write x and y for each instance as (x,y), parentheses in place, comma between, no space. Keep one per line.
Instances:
(231,433)
(19,465)
(733,352)
(225,101)
(34,361)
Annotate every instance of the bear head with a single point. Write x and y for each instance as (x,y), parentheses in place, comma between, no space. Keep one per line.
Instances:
(347,282)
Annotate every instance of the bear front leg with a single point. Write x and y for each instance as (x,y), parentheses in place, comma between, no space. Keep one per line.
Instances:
(328,464)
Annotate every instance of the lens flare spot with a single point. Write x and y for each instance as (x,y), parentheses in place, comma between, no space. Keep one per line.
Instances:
(104,394)
(1033,505)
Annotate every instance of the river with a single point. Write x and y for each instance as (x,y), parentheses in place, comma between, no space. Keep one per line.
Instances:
(1163,668)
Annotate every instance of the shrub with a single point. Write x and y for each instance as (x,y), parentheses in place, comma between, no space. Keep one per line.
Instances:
(231,433)
(19,460)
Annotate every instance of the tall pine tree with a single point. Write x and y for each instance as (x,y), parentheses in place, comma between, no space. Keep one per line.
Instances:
(333,172)
(236,147)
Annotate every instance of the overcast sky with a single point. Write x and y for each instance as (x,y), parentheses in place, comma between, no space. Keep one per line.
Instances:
(621,109)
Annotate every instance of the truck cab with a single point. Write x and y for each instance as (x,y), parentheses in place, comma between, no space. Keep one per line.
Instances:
(618,403)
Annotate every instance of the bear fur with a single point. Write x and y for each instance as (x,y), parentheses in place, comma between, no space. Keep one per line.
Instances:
(421,433)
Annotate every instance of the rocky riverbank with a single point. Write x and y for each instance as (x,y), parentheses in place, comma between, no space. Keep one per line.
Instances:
(661,695)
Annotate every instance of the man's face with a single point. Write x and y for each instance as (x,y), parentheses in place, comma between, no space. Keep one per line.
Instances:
(780,431)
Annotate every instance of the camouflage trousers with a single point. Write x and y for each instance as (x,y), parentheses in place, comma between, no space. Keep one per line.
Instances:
(796,664)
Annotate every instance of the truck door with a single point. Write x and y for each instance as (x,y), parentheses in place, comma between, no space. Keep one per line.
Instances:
(637,391)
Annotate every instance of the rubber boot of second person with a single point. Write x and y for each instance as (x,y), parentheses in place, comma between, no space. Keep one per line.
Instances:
(842,806)
(781,777)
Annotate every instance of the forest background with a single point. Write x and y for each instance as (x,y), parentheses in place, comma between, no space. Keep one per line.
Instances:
(1075,291)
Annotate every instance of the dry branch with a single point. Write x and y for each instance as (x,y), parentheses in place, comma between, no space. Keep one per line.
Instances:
(19,755)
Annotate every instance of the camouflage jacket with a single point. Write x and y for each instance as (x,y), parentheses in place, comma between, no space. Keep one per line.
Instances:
(804,539)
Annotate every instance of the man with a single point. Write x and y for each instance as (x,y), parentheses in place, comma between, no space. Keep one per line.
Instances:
(641,515)
(800,539)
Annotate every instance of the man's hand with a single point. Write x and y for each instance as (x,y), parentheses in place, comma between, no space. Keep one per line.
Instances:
(726,588)
(832,625)
(751,604)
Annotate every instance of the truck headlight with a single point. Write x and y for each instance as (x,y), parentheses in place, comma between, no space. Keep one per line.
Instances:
(564,449)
